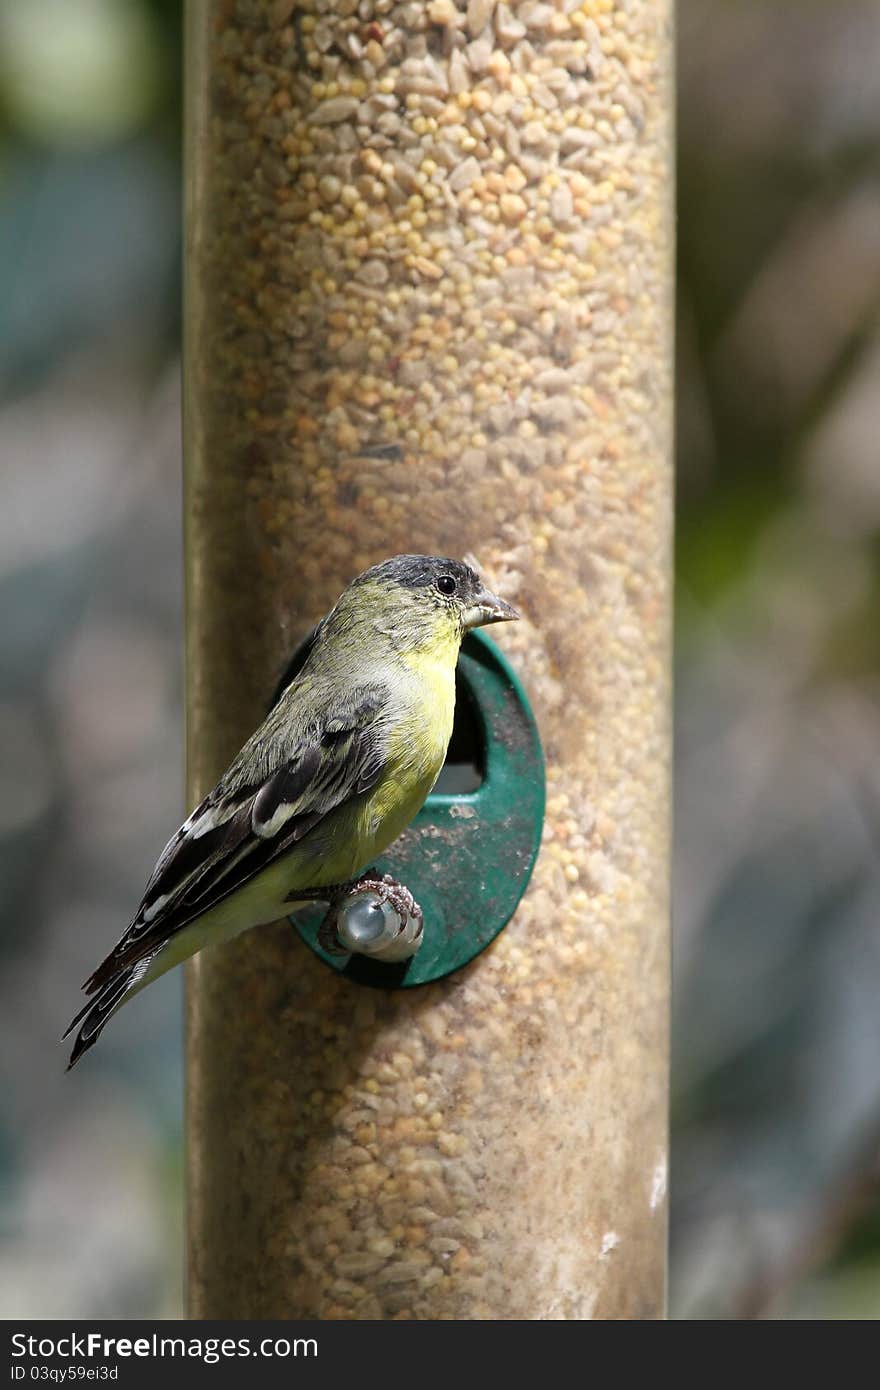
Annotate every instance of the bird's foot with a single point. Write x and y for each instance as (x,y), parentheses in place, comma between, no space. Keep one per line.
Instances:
(381,919)
(388,890)
(327,938)
(334,894)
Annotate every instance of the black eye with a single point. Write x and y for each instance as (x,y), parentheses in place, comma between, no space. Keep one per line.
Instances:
(446,584)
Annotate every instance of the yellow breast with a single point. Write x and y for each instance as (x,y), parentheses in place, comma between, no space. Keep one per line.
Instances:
(418,743)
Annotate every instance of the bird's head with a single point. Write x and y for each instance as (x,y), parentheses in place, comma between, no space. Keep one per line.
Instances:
(432,599)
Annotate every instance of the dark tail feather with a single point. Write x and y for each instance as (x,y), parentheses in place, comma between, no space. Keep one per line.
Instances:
(96,1012)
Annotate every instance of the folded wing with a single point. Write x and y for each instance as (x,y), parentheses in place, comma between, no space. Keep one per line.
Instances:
(246,822)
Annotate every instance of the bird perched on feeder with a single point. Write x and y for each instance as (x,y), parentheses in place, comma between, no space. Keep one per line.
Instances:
(332,776)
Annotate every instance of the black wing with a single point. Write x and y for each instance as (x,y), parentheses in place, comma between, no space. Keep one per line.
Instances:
(244,824)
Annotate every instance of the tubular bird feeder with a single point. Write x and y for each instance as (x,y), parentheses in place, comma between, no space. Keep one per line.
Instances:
(428,309)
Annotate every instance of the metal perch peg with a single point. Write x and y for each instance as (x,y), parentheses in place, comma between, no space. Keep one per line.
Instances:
(381,919)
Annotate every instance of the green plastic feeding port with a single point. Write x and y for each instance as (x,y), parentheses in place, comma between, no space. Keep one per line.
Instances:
(468,855)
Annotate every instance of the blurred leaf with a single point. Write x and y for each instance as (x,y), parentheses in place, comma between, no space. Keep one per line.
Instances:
(715,541)
(77,72)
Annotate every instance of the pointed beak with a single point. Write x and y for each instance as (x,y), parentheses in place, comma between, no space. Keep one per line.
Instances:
(488,608)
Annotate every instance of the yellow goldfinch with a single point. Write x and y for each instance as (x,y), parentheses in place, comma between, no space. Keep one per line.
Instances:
(338,769)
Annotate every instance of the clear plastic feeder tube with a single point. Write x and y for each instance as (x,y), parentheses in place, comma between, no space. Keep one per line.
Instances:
(428,309)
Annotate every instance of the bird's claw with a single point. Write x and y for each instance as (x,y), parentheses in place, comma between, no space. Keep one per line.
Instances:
(386,889)
(327,938)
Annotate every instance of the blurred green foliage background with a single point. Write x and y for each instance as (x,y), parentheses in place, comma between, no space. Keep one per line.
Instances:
(776,1113)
